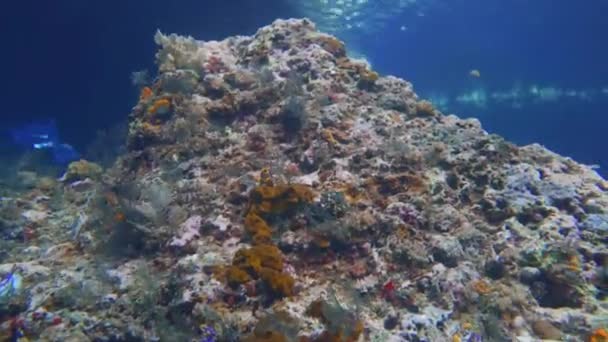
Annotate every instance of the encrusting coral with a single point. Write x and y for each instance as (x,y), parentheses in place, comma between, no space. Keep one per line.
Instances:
(160,106)
(278,199)
(264,260)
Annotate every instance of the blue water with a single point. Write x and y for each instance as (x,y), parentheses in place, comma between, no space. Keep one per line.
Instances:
(71,60)
(547,43)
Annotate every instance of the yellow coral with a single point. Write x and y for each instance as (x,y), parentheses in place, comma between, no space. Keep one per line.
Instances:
(259,256)
(258,228)
(246,260)
(280,283)
(264,262)
(277,199)
(270,255)
(236,276)
(301,193)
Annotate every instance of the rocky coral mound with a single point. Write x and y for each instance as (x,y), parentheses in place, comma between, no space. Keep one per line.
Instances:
(276,190)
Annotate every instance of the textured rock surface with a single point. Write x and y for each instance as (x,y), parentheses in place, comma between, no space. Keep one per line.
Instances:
(423,227)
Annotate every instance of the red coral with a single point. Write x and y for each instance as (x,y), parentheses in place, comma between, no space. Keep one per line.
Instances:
(388,290)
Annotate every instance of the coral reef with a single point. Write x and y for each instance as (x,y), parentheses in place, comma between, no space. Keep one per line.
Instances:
(273,189)
(81,170)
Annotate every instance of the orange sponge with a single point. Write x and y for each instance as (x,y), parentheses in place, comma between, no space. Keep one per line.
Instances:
(264,260)
(160,106)
(599,335)
(258,228)
(277,199)
(146,93)
(256,257)
(279,283)
(236,276)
